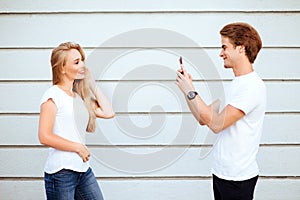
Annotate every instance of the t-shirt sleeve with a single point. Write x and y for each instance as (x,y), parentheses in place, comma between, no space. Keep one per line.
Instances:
(245,99)
(50,94)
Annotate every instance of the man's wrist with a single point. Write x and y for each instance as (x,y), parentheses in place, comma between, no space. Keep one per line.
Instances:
(191,95)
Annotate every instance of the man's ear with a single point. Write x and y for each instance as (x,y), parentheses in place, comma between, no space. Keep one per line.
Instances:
(241,48)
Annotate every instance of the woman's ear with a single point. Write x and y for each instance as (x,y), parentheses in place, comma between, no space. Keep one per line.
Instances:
(62,69)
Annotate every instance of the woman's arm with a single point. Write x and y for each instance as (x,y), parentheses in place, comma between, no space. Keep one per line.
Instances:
(48,138)
(104,107)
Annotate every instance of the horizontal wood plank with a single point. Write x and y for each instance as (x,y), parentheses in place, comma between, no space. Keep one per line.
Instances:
(266,189)
(158,30)
(34,64)
(116,161)
(133,129)
(155,5)
(142,96)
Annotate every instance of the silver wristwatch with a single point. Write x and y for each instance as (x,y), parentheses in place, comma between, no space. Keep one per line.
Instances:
(191,95)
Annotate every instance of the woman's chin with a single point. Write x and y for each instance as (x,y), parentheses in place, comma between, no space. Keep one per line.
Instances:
(80,77)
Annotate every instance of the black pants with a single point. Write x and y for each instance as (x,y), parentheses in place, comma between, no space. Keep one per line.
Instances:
(233,190)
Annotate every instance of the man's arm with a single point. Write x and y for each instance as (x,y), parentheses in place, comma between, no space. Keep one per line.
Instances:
(209,115)
(215,106)
(204,114)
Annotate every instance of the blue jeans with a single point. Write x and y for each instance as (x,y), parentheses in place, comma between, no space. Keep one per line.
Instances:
(69,185)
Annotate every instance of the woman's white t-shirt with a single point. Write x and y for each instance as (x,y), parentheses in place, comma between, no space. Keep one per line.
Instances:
(70,123)
(236,147)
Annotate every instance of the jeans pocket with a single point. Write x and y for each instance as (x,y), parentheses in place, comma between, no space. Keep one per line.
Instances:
(49,182)
(63,180)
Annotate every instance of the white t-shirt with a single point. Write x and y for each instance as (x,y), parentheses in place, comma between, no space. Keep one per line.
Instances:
(236,147)
(70,123)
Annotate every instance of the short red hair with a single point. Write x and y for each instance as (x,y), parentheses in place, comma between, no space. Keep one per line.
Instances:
(243,34)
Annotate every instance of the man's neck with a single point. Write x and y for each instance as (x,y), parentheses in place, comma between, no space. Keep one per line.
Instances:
(242,68)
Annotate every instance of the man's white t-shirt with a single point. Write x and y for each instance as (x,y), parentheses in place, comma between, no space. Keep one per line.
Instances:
(236,147)
(70,123)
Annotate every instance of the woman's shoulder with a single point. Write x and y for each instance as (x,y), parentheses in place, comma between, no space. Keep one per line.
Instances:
(51,93)
(52,90)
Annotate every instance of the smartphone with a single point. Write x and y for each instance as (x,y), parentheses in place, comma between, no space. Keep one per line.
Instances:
(180,61)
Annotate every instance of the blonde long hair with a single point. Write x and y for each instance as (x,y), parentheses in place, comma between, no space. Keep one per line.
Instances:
(81,87)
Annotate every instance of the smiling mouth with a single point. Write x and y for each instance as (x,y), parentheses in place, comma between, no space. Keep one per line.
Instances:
(81,72)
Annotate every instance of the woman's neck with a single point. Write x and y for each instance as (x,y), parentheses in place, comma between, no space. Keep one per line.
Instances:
(67,87)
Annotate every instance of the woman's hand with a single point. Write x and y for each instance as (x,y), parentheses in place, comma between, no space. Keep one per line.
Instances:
(83,152)
(103,108)
(90,79)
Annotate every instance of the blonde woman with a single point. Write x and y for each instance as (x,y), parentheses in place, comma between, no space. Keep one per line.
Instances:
(67,171)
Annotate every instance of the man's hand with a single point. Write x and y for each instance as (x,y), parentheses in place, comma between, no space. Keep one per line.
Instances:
(184,80)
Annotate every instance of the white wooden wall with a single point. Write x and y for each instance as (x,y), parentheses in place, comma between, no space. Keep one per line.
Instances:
(30,29)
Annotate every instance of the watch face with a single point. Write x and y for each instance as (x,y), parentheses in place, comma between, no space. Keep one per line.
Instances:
(191,95)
